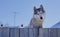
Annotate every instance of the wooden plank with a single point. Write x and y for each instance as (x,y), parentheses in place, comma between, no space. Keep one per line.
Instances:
(31,32)
(22,32)
(58,32)
(0,32)
(52,32)
(14,32)
(26,32)
(40,32)
(36,32)
(4,32)
(43,32)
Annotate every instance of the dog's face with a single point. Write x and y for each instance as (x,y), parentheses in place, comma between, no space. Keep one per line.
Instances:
(39,13)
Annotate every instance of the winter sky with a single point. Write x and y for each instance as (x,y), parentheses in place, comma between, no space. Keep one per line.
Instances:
(24,11)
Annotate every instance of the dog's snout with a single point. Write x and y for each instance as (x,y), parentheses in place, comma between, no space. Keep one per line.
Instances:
(41,17)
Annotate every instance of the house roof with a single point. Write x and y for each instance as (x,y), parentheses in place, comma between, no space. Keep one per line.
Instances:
(57,25)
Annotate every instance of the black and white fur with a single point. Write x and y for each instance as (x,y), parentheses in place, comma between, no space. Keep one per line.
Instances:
(38,17)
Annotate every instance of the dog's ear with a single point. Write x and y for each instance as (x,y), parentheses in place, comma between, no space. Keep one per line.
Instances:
(35,10)
(41,8)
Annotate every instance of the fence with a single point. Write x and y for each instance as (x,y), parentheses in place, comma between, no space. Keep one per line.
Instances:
(29,32)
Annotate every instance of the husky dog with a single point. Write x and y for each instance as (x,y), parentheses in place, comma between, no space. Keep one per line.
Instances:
(38,17)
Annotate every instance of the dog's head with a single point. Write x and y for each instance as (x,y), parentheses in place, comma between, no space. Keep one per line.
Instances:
(39,13)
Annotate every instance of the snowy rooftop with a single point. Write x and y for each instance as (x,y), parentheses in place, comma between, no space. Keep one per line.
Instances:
(57,25)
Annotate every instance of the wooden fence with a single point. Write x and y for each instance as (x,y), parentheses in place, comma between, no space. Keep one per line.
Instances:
(29,32)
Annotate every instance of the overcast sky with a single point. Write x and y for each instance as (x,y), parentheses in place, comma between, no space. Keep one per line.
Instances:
(24,11)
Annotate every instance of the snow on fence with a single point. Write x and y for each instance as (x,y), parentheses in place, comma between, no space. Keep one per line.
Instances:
(29,32)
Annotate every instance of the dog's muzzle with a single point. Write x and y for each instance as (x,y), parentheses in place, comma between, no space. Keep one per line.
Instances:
(41,18)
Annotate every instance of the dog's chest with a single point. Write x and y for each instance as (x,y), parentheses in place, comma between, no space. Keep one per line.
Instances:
(37,22)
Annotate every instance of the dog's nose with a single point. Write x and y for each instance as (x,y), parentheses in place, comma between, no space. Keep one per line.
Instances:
(41,18)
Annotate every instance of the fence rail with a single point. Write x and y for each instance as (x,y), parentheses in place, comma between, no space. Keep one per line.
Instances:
(29,32)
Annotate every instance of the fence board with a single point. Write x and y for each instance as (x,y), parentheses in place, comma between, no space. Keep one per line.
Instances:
(40,32)
(36,32)
(29,32)
(58,32)
(26,32)
(52,32)
(0,32)
(22,32)
(14,32)
(43,32)
(4,32)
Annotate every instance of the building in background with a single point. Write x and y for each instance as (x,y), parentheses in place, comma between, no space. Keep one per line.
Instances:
(57,25)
